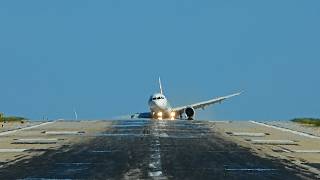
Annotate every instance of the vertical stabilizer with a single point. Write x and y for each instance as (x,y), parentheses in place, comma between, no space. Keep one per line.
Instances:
(160,85)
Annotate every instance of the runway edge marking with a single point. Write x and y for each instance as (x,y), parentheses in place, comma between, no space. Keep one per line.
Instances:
(26,128)
(313,170)
(286,130)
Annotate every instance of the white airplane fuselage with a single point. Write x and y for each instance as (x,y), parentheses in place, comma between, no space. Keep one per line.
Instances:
(160,107)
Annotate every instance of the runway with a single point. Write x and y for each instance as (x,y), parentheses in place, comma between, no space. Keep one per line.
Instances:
(140,149)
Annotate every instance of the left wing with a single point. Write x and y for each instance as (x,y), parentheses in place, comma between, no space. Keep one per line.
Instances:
(205,103)
(145,115)
(141,115)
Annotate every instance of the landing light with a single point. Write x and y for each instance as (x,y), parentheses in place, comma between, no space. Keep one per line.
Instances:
(172,115)
(159,114)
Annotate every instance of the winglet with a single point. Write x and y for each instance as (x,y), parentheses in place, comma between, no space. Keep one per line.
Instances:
(161,91)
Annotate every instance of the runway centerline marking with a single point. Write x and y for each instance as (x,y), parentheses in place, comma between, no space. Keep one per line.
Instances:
(155,166)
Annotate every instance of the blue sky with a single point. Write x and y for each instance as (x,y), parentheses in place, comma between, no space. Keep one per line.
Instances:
(104,57)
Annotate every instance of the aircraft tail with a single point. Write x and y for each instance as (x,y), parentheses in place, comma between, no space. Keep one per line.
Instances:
(160,85)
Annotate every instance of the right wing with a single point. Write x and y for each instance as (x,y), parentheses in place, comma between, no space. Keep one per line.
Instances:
(204,104)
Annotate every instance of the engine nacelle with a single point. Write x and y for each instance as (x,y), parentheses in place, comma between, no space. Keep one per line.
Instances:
(190,112)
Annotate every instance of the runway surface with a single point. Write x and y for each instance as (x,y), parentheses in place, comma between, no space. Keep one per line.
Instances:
(143,149)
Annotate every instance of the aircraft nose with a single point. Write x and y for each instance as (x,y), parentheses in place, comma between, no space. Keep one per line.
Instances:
(159,103)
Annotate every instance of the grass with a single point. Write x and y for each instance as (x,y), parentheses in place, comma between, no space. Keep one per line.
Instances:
(307,121)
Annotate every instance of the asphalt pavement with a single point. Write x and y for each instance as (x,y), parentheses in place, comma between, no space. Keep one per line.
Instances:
(145,149)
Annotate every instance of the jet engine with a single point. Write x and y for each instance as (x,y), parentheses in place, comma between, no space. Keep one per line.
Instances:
(189,111)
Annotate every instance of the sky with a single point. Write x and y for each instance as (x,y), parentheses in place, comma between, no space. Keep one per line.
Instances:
(103,58)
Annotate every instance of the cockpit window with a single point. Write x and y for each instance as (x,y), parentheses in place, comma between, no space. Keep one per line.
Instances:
(159,97)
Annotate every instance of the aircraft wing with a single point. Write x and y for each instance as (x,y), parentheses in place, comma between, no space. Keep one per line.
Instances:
(141,115)
(145,115)
(205,103)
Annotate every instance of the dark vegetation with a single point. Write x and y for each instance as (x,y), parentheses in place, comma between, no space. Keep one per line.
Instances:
(307,121)
(11,118)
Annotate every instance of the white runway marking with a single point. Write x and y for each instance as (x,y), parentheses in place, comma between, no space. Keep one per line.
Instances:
(287,130)
(163,135)
(74,163)
(306,151)
(155,165)
(104,151)
(63,132)
(273,142)
(251,169)
(42,179)
(248,134)
(127,125)
(155,174)
(133,135)
(12,150)
(26,128)
(37,139)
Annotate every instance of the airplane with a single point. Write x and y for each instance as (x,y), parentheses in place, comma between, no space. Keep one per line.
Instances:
(160,107)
